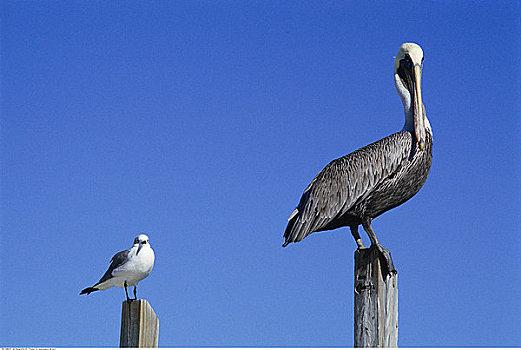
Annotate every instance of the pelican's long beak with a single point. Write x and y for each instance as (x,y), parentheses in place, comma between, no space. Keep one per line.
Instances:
(419,126)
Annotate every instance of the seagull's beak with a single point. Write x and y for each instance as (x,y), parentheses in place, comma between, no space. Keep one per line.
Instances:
(139,248)
(419,127)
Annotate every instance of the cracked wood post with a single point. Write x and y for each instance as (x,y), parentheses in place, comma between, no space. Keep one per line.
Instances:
(376,303)
(139,325)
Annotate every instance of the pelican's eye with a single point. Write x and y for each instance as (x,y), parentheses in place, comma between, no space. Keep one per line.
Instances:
(407,60)
(402,71)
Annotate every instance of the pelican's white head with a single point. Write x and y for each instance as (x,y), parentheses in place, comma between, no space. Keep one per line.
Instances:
(408,66)
(414,51)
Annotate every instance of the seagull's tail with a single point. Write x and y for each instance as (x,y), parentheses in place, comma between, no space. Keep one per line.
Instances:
(88,290)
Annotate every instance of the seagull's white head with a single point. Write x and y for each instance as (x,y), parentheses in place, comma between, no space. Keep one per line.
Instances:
(140,241)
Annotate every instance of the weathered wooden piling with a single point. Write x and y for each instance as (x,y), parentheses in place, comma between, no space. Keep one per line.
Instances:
(376,303)
(139,325)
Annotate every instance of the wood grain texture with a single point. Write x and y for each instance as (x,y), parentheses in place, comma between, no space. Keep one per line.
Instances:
(376,303)
(139,325)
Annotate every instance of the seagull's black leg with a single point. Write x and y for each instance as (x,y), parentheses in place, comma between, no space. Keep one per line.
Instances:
(135,292)
(126,292)
(388,266)
(354,232)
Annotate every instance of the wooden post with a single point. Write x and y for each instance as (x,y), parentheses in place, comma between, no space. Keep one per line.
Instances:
(139,325)
(376,303)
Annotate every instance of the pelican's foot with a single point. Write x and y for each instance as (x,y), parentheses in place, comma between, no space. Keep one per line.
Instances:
(386,260)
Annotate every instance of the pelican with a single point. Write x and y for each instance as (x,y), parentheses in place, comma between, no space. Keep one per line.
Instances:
(356,188)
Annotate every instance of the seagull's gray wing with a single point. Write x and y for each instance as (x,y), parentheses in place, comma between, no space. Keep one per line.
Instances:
(117,260)
(344,181)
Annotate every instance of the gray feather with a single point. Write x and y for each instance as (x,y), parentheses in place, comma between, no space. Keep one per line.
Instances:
(117,260)
(364,183)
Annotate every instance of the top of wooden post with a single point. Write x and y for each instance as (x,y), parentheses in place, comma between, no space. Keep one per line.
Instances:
(376,302)
(139,325)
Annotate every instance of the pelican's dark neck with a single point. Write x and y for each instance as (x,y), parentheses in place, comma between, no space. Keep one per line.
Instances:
(407,100)
(409,118)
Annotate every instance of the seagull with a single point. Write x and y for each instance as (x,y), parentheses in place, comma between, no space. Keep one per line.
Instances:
(127,268)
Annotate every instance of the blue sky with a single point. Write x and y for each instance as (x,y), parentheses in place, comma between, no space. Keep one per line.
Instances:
(200,123)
